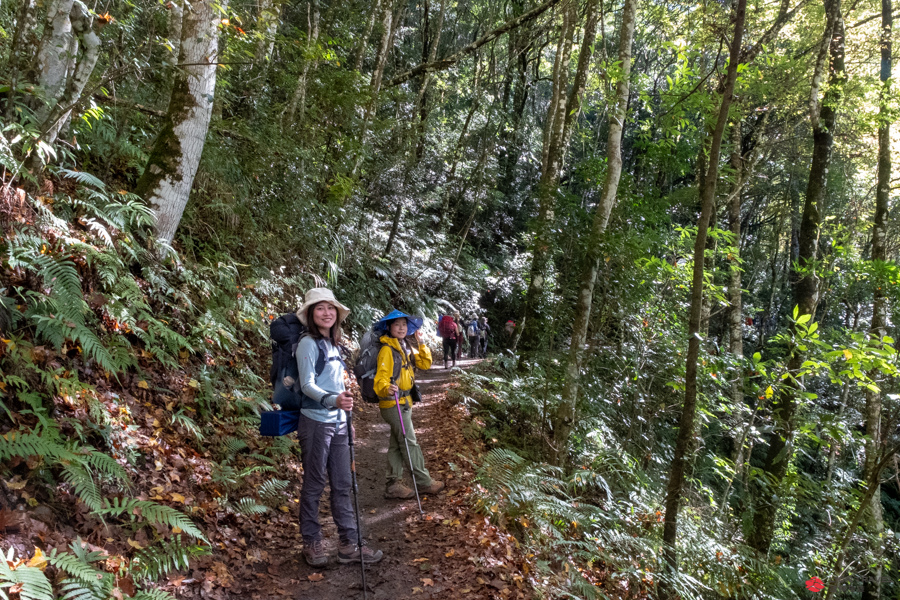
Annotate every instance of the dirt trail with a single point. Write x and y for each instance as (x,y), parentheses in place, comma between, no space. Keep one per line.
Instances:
(446,554)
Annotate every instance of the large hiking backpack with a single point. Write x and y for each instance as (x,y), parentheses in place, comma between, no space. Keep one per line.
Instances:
(285,333)
(472,331)
(367,364)
(445,327)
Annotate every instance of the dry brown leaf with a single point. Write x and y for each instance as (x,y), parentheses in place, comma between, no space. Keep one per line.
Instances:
(315,577)
(428,582)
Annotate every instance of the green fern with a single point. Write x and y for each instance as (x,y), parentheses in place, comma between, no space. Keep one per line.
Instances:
(152,512)
(273,489)
(154,562)
(235,445)
(35,585)
(153,594)
(248,506)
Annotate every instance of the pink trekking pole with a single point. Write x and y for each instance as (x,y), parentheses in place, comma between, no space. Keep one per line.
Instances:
(408,455)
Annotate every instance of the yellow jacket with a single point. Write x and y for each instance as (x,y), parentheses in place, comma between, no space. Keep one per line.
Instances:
(385,370)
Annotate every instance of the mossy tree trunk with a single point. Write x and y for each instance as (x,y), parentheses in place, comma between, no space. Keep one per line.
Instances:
(169,174)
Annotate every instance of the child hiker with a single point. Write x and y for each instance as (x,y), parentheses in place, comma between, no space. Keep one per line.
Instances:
(323,431)
(391,383)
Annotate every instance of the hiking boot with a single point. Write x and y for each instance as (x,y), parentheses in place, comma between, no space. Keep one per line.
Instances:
(349,553)
(399,491)
(314,554)
(434,488)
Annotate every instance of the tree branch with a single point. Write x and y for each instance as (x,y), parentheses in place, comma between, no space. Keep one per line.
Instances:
(446,63)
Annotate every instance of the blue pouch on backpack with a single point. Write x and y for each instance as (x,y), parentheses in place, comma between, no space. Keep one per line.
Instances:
(273,423)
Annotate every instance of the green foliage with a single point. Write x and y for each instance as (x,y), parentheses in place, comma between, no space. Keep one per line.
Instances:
(155,562)
(152,513)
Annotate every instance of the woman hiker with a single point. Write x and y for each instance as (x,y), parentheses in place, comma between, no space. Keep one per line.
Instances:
(323,431)
(397,358)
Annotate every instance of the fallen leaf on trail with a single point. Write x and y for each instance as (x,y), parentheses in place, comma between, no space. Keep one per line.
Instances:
(417,590)
(16,483)
(451,553)
(315,577)
(418,560)
(143,385)
(284,509)
(428,582)
(38,559)
(177,497)
(134,544)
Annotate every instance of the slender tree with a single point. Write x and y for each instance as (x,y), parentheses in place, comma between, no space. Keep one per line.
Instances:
(805,284)
(685,436)
(873,581)
(566,413)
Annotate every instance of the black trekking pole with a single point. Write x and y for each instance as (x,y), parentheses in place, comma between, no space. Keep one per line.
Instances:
(408,455)
(359,536)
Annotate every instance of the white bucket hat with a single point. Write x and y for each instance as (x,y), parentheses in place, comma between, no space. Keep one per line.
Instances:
(316,295)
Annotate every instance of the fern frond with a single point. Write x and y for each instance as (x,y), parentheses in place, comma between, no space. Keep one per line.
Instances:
(154,562)
(35,586)
(234,444)
(248,506)
(153,594)
(273,489)
(83,178)
(83,485)
(152,512)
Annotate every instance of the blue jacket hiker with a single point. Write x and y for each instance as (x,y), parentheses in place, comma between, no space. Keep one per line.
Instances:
(323,433)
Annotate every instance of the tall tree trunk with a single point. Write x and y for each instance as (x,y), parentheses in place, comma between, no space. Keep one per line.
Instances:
(805,282)
(21,50)
(685,435)
(298,100)
(566,414)
(422,99)
(65,62)
(267,25)
(511,136)
(551,163)
(872,582)
(167,179)
(387,16)
(360,52)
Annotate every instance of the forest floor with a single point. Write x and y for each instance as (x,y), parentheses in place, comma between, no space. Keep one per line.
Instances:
(450,552)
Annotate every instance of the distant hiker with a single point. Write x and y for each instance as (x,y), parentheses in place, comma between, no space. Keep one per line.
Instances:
(472,334)
(323,431)
(483,330)
(410,352)
(450,334)
(460,336)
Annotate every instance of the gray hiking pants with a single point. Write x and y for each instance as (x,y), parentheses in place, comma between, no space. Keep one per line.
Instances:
(326,451)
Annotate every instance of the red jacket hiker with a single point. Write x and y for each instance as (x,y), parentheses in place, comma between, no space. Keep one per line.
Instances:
(450,333)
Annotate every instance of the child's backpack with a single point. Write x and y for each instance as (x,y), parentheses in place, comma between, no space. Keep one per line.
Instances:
(367,364)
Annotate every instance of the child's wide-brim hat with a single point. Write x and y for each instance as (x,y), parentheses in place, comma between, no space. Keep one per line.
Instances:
(316,295)
(412,323)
